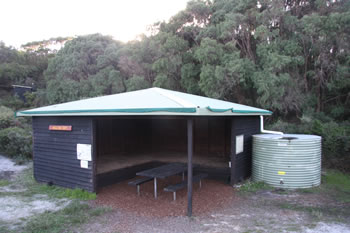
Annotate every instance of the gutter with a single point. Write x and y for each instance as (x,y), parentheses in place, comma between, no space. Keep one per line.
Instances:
(262,130)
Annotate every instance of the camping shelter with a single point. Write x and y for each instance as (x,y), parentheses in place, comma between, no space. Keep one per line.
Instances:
(95,142)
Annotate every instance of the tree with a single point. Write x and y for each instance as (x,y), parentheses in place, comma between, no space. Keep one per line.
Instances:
(169,60)
(21,68)
(86,67)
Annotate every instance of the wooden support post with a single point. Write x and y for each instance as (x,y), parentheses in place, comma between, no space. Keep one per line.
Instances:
(94,143)
(233,151)
(189,164)
(155,187)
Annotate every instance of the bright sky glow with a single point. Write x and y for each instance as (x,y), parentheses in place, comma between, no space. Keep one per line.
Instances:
(23,21)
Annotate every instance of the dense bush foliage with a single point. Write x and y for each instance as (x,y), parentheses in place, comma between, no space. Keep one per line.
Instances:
(291,57)
(6,117)
(286,56)
(15,141)
(15,135)
(335,138)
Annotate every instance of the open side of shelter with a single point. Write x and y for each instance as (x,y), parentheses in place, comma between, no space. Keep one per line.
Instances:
(79,147)
(126,143)
(121,147)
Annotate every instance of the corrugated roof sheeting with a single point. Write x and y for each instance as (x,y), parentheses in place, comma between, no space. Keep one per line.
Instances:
(152,101)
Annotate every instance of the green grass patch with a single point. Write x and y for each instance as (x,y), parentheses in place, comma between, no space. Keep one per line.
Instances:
(4,227)
(73,215)
(252,187)
(26,179)
(337,180)
(309,190)
(4,183)
(59,192)
(337,184)
(334,184)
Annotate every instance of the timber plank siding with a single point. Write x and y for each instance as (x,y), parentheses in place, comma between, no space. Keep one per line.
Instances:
(55,153)
(242,163)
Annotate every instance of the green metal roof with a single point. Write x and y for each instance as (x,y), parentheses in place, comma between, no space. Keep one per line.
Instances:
(151,101)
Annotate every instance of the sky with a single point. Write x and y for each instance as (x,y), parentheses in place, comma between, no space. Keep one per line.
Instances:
(23,21)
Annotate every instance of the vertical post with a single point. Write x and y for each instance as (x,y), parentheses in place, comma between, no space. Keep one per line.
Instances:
(94,149)
(155,187)
(189,164)
(233,151)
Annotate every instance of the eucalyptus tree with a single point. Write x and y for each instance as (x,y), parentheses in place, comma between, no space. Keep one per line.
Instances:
(87,66)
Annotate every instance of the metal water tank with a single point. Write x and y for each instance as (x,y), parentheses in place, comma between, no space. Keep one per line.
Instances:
(287,161)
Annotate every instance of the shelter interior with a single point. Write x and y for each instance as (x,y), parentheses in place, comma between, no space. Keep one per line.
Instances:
(127,142)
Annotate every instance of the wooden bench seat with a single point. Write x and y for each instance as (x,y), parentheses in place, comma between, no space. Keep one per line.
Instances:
(140,181)
(173,188)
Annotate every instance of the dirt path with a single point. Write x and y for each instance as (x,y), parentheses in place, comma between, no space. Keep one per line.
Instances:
(245,215)
(8,169)
(237,211)
(16,205)
(263,211)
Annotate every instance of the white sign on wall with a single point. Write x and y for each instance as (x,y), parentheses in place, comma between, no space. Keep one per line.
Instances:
(84,164)
(84,152)
(239,144)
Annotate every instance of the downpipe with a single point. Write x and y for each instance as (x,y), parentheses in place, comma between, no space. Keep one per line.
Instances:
(262,130)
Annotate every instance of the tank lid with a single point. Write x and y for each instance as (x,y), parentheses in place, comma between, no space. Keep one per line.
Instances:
(287,136)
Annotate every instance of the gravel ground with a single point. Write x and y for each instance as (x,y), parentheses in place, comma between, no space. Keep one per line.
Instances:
(15,208)
(8,169)
(217,207)
(240,214)
(329,228)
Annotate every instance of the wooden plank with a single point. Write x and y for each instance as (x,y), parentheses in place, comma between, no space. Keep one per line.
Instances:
(56,148)
(63,134)
(65,139)
(63,166)
(64,183)
(81,172)
(59,174)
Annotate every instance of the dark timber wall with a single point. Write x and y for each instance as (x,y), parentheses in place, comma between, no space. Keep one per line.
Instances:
(211,135)
(242,162)
(55,153)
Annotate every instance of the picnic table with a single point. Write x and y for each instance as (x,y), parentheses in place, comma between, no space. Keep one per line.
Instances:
(162,172)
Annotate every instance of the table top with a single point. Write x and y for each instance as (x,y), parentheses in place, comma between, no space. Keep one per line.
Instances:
(164,171)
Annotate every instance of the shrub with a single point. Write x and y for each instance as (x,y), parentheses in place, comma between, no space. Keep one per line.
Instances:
(15,141)
(13,102)
(6,117)
(335,138)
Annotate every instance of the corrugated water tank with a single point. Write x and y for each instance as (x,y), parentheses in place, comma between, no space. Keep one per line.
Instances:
(287,161)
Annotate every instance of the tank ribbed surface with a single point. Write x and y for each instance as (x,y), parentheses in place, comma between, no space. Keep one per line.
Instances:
(287,161)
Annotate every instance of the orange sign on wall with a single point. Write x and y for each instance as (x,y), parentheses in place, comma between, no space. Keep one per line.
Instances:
(60,127)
